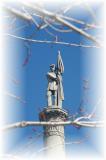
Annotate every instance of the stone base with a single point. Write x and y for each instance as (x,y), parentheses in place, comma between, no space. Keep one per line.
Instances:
(53,113)
(53,135)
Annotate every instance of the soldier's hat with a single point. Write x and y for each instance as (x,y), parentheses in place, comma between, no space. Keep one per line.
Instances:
(52,65)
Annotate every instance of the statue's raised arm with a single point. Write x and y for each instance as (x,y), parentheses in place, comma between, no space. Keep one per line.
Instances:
(55,94)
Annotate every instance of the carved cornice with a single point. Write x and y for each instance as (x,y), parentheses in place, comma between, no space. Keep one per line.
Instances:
(53,114)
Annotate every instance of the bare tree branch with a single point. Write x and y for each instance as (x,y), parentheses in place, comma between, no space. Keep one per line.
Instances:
(21,27)
(89,123)
(44,123)
(56,17)
(23,15)
(9,156)
(52,42)
(78,141)
(14,80)
(90,10)
(33,20)
(66,143)
(14,96)
(18,13)
(44,12)
(71,5)
(81,22)
(57,29)
(78,30)
(89,116)
(51,34)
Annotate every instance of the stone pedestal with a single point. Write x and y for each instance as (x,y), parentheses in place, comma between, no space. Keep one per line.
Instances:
(54,135)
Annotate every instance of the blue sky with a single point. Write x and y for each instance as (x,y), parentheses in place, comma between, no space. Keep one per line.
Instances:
(80,64)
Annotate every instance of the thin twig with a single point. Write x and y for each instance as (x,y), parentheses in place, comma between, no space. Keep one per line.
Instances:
(15,81)
(28,54)
(71,5)
(50,33)
(78,141)
(14,96)
(21,27)
(89,116)
(9,156)
(90,10)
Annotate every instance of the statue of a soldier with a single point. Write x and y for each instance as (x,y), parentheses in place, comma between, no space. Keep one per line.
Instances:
(55,92)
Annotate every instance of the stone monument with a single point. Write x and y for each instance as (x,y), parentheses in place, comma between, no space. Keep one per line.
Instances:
(54,135)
